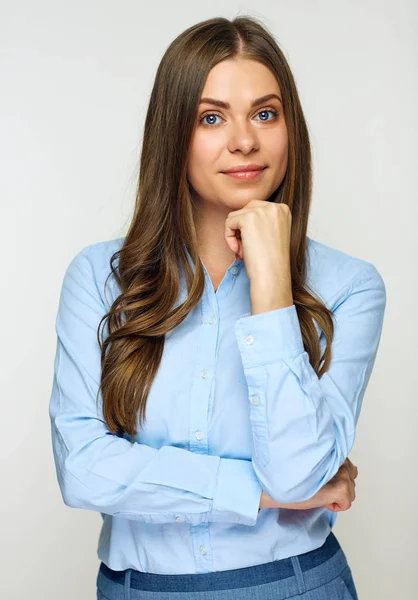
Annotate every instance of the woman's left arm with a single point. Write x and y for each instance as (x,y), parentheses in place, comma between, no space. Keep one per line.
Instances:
(303,427)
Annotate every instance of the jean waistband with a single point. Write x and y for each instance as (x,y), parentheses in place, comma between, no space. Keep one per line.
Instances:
(235,578)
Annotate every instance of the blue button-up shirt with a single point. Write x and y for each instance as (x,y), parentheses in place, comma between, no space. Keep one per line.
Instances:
(235,408)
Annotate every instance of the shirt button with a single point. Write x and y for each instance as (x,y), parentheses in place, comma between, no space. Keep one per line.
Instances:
(234,270)
(204,373)
(202,550)
(249,339)
(199,435)
(180,519)
(212,319)
(255,400)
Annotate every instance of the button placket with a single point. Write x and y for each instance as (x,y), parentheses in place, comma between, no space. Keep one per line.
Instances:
(201,401)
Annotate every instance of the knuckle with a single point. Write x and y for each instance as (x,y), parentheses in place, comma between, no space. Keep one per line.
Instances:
(346,474)
(342,487)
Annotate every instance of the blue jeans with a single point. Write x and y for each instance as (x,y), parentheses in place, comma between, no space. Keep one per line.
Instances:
(322,574)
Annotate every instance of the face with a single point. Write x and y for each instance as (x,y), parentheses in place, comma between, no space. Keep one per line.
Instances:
(240,134)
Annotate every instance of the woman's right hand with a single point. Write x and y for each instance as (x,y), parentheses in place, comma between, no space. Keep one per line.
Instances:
(340,491)
(336,495)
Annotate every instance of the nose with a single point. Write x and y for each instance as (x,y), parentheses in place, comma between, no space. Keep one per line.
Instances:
(242,136)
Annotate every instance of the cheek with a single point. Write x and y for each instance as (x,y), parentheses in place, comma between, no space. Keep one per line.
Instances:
(277,146)
(203,162)
(278,153)
(205,148)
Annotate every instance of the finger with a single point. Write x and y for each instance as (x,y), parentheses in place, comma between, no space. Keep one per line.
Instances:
(352,468)
(353,492)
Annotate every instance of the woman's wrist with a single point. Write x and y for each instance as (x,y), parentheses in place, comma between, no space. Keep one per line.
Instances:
(267,502)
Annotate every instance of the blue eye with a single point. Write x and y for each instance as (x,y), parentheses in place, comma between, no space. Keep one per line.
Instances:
(206,116)
(274,113)
(266,111)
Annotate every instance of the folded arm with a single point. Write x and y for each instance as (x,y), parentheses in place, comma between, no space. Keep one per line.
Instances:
(100,471)
(303,427)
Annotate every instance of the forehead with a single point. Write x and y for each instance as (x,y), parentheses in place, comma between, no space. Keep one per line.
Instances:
(240,81)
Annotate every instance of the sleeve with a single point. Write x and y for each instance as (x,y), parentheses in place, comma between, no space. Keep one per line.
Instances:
(303,428)
(97,470)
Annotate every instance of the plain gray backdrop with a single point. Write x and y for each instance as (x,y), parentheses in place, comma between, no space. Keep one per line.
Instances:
(75,82)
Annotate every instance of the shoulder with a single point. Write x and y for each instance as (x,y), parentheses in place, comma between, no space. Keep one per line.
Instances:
(333,273)
(98,255)
(90,266)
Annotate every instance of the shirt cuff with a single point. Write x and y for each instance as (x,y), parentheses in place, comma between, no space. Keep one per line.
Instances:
(238,493)
(269,336)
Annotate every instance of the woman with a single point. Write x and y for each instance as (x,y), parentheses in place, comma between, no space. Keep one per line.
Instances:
(249,344)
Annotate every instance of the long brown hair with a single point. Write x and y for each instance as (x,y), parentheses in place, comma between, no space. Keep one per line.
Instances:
(162,226)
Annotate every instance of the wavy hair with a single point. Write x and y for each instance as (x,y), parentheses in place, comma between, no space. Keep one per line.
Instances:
(162,226)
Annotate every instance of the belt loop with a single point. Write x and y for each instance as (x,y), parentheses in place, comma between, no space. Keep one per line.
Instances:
(127,585)
(298,574)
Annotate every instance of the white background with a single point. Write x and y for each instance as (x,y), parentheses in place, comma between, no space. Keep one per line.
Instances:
(75,82)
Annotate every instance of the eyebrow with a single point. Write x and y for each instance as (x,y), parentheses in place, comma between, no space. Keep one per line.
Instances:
(227,106)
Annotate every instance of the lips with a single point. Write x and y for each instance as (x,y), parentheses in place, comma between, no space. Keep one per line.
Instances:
(246,175)
(244,168)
